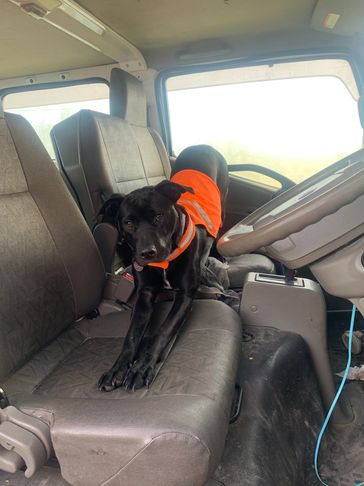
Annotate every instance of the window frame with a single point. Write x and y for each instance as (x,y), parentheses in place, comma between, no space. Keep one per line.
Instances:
(51,85)
(280,58)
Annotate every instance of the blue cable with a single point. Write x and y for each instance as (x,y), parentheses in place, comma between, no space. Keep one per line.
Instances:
(337,396)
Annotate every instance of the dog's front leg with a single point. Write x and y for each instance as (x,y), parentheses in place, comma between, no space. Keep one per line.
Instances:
(186,277)
(147,290)
(142,373)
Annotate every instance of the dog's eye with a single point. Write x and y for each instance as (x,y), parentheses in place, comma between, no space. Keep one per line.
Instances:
(129,224)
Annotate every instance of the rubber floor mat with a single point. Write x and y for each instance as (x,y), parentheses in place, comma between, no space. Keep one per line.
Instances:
(272,442)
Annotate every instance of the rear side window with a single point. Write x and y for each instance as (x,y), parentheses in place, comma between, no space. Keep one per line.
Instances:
(47,107)
(295,118)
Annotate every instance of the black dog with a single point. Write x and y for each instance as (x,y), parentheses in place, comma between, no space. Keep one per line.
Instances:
(154,224)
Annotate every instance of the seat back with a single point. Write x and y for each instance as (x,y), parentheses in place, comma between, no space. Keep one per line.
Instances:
(103,154)
(50,269)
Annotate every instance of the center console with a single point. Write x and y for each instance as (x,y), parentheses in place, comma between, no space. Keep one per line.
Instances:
(296,305)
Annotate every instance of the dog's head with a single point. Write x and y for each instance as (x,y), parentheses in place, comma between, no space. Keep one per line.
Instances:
(148,220)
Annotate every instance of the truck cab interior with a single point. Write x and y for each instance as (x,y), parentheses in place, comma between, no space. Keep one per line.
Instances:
(99,98)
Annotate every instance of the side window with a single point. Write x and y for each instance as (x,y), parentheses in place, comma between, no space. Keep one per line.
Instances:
(46,107)
(295,118)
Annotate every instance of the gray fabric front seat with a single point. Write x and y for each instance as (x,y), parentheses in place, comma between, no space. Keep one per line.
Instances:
(104,154)
(51,275)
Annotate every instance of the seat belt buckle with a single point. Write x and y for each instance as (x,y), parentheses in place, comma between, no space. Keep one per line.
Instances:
(125,287)
(120,288)
(4,402)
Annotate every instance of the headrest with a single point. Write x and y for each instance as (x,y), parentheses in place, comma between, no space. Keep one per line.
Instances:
(127,98)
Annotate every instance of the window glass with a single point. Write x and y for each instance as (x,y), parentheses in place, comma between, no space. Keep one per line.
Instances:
(45,108)
(295,118)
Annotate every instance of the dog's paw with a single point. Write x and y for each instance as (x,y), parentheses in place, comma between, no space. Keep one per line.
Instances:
(105,382)
(140,375)
(113,379)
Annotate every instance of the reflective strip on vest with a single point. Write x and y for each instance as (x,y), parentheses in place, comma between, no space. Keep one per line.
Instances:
(201,211)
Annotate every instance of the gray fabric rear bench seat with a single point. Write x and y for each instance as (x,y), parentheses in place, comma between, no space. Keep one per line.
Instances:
(102,154)
(51,274)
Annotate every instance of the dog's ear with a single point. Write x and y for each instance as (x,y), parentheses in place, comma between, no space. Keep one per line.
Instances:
(171,190)
(111,207)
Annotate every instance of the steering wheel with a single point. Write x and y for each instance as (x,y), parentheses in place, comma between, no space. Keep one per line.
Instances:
(298,208)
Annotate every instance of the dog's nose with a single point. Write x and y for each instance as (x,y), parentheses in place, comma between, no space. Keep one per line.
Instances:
(149,253)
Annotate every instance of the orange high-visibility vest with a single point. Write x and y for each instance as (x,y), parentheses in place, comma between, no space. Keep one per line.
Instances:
(202,208)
